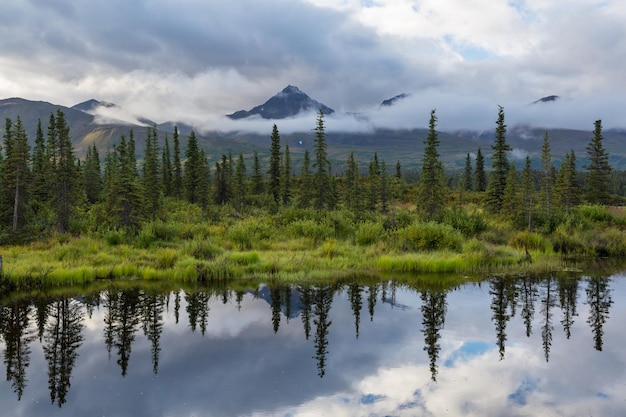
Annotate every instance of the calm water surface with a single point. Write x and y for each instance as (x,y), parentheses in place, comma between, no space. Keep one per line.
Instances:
(504,347)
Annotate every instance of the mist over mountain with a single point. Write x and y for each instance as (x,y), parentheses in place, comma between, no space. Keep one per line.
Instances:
(382,129)
(289,102)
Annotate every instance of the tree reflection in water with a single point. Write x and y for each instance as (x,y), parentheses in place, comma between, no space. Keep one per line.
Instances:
(58,322)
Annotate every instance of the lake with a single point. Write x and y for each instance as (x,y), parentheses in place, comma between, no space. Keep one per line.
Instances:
(551,346)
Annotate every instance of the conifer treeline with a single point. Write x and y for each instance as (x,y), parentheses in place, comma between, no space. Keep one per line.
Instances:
(47,189)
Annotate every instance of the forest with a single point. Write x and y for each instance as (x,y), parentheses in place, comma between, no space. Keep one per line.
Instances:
(173,216)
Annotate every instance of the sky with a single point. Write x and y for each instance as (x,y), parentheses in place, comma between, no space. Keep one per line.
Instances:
(195,61)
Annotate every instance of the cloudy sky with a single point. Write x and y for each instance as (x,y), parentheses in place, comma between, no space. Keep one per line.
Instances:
(194,60)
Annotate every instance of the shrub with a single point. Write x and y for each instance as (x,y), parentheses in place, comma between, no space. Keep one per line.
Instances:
(429,236)
(166,258)
(529,240)
(249,233)
(594,213)
(202,250)
(114,238)
(470,224)
(368,233)
(310,229)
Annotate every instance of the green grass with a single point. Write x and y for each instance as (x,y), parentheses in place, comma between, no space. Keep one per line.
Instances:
(295,245)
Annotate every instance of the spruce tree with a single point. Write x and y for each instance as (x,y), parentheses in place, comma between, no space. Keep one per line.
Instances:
(257,176)
(597,180)
(373,177)
(567,187)
(466,182)
(528,191)
(500,164)
(166,169)
(192,170)
(547,175)
(385,192)
(92,175)
(177,168)
(480,176)
(40,190)
(239,189)
(204,181)
(432,186)
(124,203)
(349,178)
(274,169)
(321,180)
(151,183)
(66,174)
(16,173)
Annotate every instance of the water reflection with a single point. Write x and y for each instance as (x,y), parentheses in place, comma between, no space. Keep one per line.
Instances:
(57,331)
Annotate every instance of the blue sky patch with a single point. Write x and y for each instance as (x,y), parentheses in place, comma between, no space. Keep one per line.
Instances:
(371,398)
(468,350)
(527,386)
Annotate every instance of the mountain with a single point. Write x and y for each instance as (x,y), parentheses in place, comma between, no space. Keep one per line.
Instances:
(289,102)
(88,129)
(546,99)
(393,100)
(111,112)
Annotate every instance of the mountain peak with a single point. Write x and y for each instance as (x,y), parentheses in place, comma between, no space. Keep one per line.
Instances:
(547,99)
(287,103)
(393,100)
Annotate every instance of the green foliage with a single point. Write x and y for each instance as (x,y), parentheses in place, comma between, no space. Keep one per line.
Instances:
(470,224)
(500,164)
(202,250)
(597,181)
(529,241)
(250,233)
(311,229)
(432,187)
(428,236)
(368,233)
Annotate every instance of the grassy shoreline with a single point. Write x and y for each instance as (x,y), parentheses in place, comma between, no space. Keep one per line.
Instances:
(298,245)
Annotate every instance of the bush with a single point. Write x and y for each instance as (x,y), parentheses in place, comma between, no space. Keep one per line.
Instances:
(528,240)
(310,229)
(166,258)
(368,233)
(429,236)
(202,250)
(468,224)
(249,233)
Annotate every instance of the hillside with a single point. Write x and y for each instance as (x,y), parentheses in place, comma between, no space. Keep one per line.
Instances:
(405,146)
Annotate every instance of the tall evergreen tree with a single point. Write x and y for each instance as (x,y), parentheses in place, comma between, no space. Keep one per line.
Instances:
(257,176)
(239,190)
(42,174)
(432,187)
(349,176)
(166,169)
(528,191)
(66,174)
(16,173)
(597,180)
(480,176)
(177,167)
(151,183)
(286,180)
(567,188)
(373,192)
(192,168)
(466,183)
(93,175)
(385,192)
(547,179)
(321,178)
(204,181)
(274,169)
(500,164)
(122,187)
